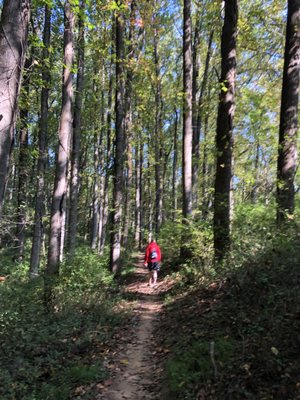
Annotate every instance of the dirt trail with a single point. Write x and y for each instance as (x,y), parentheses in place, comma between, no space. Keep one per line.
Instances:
(137,373)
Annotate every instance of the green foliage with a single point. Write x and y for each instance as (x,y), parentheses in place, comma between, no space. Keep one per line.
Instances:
(248,307)
(39,350)
(193,365)
(195,238)
(83,374)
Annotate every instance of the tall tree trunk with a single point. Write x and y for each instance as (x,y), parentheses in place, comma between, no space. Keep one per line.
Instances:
(141,174)
(115,251)
(174,170)
(254,190)
(104,216)
(75,159)
(101,169)
(187,139)
(139,193)
(64,134)
(224,139)
(96,183)
(288,129)
(187,111)
(158,139)
(205,200)
(23,170)
(198,126)
(13,42)
(195,95)
(128,122)
(41,166)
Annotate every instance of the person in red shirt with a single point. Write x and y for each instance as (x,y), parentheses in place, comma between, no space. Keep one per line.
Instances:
(152,261)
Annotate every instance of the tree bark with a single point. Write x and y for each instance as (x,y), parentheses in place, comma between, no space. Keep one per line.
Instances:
(174,170)
(198,125)
(139,193)
(128,122)
(195,95)
(224,139)
(23,168)
(75,159)
(158,139)
(187,111)
(288,128)
(115,250)
(13,43)
(64,135)
(42,159)
(104,215)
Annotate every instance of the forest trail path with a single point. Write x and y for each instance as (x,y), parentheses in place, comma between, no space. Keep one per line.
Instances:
(136,372)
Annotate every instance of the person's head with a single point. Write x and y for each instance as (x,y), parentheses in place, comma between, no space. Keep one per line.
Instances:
(151,238)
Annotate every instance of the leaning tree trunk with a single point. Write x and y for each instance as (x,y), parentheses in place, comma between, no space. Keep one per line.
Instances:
(43,132)
(13,42)
(64,135)
(115,250)
(288,129)
(224,139)
(75,159)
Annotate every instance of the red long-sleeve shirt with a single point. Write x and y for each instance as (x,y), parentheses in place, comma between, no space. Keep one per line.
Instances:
(153,246)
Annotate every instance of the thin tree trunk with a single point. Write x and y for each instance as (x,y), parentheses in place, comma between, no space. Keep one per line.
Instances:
(141,173)
(158,139)
(101,169)
(41,166)
(23,169)
(115,251)
(65,133)
(75,159)
(195,95)
(128,122)
(13,43)
(96,198)
(174,171)
(104,216)
(187,111)
(224,139)
(288,129)
(137,194)
(198,125)
(205,170)
(256,168)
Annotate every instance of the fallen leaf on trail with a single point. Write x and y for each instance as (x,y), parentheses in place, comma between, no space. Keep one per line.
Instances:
(124,361)
(79,390)
(274,351)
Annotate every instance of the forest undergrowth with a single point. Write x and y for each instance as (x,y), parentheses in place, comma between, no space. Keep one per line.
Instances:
(47,356)
(227,331)
(232,331)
